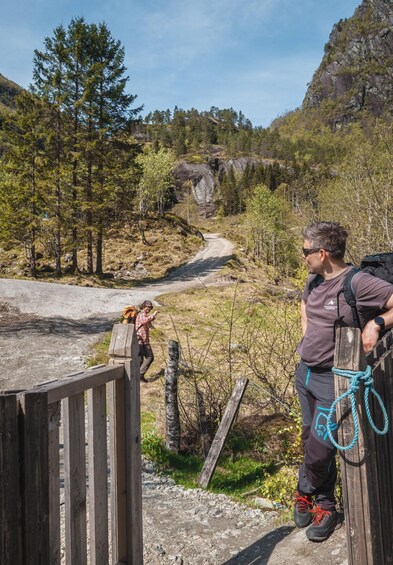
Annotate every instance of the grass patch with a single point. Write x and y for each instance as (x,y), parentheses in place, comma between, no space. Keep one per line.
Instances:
(235,478)
(148,423)
(99,352)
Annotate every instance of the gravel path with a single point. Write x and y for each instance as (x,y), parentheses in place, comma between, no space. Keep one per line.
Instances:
(45,333)
(195,527)
(47,329)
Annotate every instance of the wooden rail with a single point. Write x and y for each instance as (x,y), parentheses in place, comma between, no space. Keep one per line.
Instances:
(30,478)
(367,469)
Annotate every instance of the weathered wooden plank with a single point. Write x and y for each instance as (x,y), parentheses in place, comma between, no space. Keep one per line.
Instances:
(118,479)
(222,432)
(98,483)
(171,400)
(383,384)
(54,413)
(349,352)
(358,465)
(34,461)
(10,546)
(379,469)
(75,385)
(388,340)
(352,480)
(121,339)
(133,461)
(75,480)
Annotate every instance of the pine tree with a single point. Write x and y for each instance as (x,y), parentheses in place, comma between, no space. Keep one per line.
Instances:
(78,63)
(81,75)
(50,83)
(111,113)
(23,181)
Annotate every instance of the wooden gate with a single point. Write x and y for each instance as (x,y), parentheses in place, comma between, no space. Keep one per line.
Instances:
(30,465)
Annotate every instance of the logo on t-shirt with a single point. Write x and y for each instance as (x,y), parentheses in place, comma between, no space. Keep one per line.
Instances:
(330,304)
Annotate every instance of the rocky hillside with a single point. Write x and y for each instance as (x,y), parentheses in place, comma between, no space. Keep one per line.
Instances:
(356,72)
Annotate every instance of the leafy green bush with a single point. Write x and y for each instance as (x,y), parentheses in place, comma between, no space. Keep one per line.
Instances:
(281,485)
(153,448)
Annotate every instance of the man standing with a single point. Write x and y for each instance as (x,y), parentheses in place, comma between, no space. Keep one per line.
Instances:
(323,307)
(143,323)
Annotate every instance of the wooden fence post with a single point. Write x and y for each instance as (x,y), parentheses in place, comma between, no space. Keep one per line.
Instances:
(222,432)
(364,466)
(125,451)
(171,401)
(35,480)
(54,415)
(382,460)
(10,546)
(75,479)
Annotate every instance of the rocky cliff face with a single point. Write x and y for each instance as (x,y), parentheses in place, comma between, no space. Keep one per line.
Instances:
(206,178)
(356,72)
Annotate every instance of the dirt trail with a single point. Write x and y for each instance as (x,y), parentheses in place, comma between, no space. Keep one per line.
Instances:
(45,333)
(46,329)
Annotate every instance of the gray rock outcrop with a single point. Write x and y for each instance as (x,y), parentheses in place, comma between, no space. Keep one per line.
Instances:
(356,72)
(202,178)
(207,177)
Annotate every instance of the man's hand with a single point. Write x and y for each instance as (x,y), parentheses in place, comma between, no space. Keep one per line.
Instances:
(370,336)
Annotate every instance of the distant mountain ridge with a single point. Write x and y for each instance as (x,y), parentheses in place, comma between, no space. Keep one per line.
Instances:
(8,91)
(356,72)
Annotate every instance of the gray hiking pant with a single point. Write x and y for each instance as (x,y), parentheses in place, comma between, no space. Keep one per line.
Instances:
(146,358)
(318,473)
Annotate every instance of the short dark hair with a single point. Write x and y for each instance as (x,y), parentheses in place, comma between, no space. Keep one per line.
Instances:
(146,303)
(329,236)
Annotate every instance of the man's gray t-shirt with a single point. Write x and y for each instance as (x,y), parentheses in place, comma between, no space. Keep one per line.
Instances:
(317,345)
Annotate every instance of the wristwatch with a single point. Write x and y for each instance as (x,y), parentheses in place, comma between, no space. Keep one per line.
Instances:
(380,322)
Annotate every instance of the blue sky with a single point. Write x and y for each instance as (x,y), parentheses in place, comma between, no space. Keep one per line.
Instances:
(256,56)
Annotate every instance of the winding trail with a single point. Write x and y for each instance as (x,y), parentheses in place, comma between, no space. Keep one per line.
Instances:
(46,329)
(75,302)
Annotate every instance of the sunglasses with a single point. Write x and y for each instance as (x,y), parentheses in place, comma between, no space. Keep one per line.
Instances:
(308,251)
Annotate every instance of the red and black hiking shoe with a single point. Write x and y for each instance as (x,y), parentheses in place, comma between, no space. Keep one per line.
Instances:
(302,510)
(324,523)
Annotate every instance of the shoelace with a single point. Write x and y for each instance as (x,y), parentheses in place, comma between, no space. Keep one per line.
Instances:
(303,502)
(319,514)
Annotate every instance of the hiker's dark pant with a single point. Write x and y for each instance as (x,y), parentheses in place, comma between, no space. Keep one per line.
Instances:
(318,473)
(146,358)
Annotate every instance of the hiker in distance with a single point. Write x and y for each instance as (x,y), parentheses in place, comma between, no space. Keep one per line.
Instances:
(143,323)
(323,308)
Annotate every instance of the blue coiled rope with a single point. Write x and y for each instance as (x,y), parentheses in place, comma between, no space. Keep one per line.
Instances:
(356,378)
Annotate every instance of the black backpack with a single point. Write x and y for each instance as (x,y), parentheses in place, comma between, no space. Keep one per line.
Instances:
(380,265)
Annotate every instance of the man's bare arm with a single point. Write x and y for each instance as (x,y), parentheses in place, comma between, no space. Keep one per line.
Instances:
(303,316)
(370,334)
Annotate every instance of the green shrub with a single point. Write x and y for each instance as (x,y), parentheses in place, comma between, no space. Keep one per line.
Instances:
(281,485)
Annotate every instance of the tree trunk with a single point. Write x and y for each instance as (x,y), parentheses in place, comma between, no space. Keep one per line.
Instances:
(99,250)
(89,218)
(58,196)
(33,265)
(171,403)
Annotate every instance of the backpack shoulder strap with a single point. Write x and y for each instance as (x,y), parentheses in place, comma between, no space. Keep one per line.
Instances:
(314,282)
(349,295)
